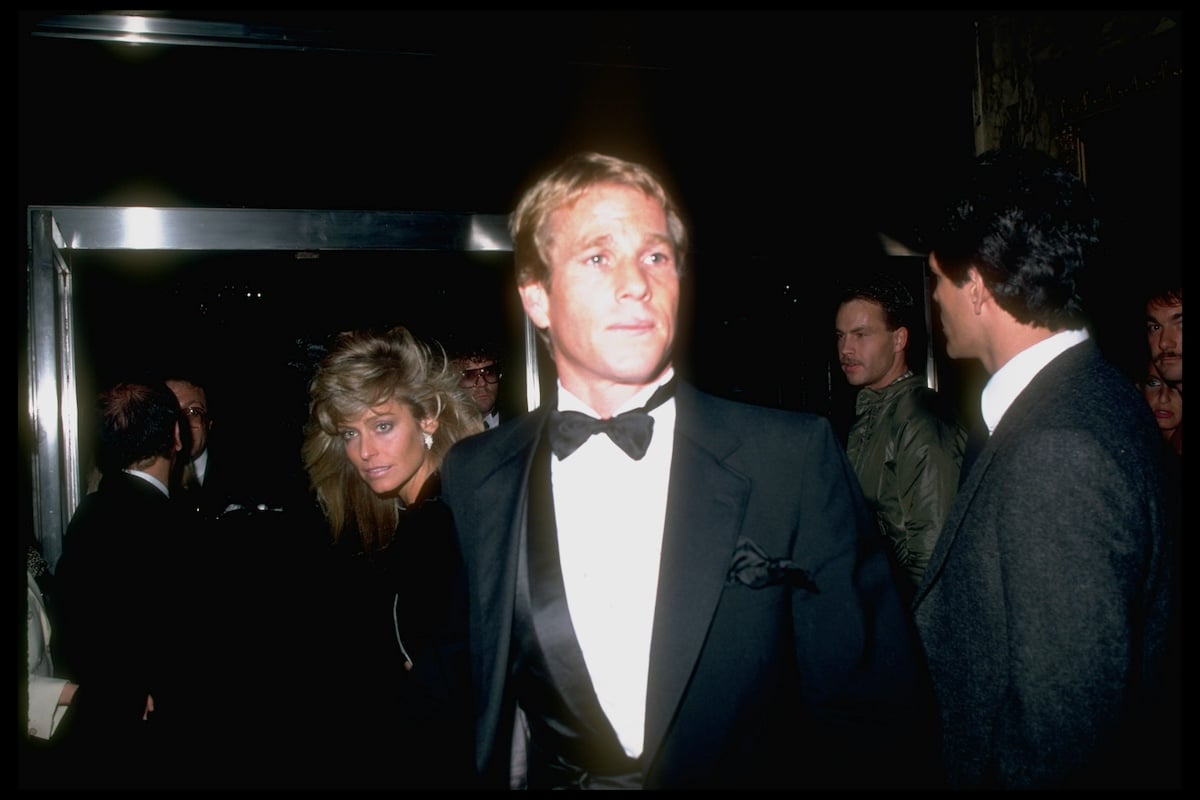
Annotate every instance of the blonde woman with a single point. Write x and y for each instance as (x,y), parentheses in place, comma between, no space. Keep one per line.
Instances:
(384,410)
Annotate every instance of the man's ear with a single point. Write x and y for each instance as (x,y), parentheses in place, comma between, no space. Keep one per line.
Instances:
(536,304)
(976,288)
(899,339)
(178,439)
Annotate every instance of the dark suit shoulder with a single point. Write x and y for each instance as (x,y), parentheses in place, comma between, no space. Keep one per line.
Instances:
(1080,388)
(746,413)
(698,411)
(494,446)
(753,438)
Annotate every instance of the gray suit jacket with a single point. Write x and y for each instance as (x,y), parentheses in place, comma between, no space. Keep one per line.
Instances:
(1043,609)
(781,652)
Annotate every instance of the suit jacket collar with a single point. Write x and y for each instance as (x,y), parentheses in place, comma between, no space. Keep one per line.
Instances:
(502,500)
(125,483)
(1021,413)
(705,506)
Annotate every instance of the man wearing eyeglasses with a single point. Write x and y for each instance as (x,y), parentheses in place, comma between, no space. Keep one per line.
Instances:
(481,376)
(205,493)
(193,402)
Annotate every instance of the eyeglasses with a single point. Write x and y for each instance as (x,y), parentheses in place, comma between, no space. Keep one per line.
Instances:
(490,374)
(195,414)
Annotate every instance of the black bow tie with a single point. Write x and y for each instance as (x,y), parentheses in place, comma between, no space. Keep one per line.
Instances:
(631,431)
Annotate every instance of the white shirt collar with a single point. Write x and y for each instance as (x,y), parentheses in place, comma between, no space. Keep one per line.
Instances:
(148,478)
(200,464)
(610,552)
(569,402)
(1011,379)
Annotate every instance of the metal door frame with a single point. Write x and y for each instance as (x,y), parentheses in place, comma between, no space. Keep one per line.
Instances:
(53,233)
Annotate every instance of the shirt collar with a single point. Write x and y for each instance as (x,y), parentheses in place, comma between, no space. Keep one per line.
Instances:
(569,402)
(148,478)
(1011,379)
(200,463)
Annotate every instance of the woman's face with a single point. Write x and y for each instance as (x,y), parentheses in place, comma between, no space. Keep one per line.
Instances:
(386,444)
(1166,401)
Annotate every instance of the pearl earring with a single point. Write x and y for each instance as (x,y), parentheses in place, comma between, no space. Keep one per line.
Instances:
(428,440)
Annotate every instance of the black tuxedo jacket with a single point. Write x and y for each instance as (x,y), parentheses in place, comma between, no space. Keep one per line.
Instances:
(781,655)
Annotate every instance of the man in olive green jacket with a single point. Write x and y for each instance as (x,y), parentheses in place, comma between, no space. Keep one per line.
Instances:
(906,445)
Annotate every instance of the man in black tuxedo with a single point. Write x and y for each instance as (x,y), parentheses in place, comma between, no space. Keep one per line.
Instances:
(1043,609)
(699,598)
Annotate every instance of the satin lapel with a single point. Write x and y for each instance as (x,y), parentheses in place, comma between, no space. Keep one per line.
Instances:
(705,508)
(501,500)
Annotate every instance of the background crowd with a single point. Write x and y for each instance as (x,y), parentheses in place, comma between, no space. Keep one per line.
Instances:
(435,592)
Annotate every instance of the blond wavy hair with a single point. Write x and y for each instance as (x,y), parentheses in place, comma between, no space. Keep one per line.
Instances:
(529,224)
(363,370)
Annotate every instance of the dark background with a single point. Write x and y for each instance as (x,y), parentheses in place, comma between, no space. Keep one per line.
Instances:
(791,138)
(757,119)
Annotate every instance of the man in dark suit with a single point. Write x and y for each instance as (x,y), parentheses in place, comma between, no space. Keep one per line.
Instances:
(482,373)
(699,598)
(1043,610)
(203,490)
(119,601)
(241,482)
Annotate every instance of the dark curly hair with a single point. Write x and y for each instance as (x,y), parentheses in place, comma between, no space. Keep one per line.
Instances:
(888,292)
(1029,226)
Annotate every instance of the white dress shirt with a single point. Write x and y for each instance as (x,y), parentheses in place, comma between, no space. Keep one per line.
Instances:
(610,511)
(200,465)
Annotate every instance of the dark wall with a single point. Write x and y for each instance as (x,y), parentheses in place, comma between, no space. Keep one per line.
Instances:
(788,137)
(791,139)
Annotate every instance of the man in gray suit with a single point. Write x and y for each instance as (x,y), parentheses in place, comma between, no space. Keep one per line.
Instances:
(694,598)
(1044,607)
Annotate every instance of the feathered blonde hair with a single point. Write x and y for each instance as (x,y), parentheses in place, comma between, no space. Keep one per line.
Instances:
(363,370)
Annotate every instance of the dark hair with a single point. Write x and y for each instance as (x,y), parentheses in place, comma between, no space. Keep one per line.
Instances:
(1028,225)
(1170,295)
(137,422)
(888,292)
(473,349)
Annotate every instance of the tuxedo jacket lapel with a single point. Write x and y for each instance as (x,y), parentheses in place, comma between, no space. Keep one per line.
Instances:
(705,506)
(503,495)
